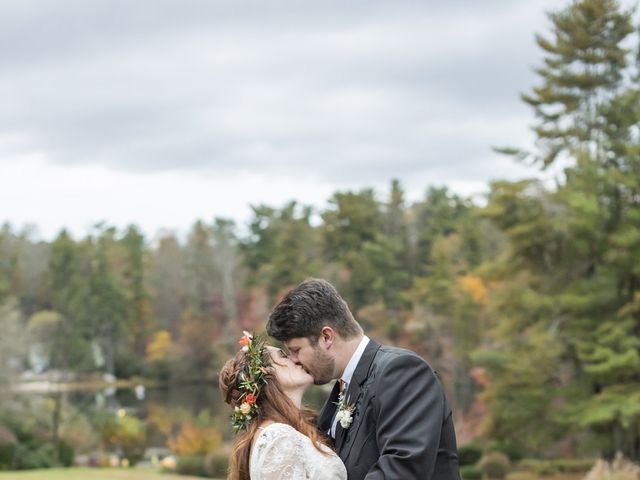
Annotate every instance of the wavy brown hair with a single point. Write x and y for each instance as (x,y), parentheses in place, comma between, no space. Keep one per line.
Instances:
(273,405)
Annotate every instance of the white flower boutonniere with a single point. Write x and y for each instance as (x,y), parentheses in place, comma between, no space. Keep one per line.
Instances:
(345,411)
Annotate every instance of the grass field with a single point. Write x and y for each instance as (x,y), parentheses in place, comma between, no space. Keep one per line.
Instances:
(91,474)
(533,476)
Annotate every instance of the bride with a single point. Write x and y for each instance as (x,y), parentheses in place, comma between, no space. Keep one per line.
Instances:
(276,438)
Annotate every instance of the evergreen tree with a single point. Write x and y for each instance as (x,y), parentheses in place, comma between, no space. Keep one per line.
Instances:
(571,265)
(227,265)
(283,248)
(200,269)
(296,251)
(168,283)
(583,70)
(8,260)
(351,219)
(138,306)
(391,253)
(259,247)
(105,305)
(440,214)
(68,284)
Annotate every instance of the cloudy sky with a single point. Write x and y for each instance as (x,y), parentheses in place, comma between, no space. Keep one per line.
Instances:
(160,112)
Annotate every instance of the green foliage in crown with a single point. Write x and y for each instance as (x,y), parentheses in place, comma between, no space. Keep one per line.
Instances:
(250,381)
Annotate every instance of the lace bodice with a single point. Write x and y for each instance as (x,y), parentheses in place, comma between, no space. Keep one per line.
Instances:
(282,453)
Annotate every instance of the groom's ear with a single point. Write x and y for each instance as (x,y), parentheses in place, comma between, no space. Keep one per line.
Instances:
(327,337)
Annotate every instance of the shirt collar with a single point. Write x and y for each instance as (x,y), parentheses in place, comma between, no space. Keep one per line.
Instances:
(355,358)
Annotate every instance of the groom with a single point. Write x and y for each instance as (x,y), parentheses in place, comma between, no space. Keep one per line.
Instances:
(394,421)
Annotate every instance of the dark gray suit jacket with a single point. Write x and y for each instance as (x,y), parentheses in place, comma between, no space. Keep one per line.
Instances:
(402,425)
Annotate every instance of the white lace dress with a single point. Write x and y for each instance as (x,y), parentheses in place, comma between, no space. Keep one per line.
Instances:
(282,453)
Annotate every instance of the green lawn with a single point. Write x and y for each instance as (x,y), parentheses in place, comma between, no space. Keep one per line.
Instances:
(91,474)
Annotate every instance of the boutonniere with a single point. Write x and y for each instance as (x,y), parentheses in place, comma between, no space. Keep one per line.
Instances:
(345,411)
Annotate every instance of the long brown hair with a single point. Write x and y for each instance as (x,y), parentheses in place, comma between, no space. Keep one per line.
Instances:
(273,404)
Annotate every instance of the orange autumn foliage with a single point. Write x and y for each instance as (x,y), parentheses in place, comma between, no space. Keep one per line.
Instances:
(160,348)
(193,439)
(474,286)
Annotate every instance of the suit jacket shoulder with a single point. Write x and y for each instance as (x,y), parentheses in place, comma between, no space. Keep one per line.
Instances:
(396,366)
(388,354)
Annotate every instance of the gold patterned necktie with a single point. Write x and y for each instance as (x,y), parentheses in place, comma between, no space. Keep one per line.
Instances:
(343,385)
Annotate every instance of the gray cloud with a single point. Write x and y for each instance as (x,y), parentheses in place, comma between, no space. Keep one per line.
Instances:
(341,91)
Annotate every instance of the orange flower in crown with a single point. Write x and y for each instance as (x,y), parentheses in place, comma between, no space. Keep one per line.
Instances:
(245,341)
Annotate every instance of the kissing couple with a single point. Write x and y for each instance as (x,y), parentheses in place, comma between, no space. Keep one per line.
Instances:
(386,418)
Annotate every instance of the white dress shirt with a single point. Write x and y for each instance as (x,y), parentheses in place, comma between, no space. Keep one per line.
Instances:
(347,375)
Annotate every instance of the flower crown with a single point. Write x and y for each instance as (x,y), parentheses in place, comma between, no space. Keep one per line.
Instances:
(250,379)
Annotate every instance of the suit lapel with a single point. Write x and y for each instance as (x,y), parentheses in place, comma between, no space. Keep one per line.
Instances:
(329,409)
(353,395)
(339,435)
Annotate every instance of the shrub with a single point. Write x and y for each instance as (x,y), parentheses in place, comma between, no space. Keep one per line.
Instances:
(191,465)
(469,454)
(7,451)
(573,465)
(25,450)
(126,433)
(512,451)
(392,329)
(8,443)
(469,472)
(546,469)
(495,465)
(66,454)
(527,465)
(32,455)
(542,468)
(126,365)
(217,463)
(196,436)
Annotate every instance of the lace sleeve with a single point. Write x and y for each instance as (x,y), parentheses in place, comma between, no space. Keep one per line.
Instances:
(279,454)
